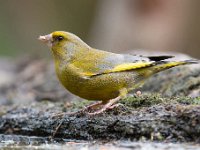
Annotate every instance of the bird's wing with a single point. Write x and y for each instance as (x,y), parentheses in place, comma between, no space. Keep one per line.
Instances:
(111,63)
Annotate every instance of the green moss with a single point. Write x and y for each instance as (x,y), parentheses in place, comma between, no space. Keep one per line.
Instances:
(188,100)
(147,100)
(144,100)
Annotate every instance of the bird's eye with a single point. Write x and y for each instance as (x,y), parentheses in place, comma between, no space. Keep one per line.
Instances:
(59,38)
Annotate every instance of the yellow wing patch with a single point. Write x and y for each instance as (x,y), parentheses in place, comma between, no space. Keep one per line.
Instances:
(129,66)
(88,74)
(120,68)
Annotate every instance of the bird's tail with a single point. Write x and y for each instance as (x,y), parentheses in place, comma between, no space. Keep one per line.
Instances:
(163,65)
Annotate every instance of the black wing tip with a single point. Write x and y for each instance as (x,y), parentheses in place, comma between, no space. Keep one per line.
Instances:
(159,58)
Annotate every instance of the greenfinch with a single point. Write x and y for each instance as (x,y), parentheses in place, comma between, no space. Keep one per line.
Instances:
(98,75)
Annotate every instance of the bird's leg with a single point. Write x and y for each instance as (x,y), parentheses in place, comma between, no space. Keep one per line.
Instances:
(92,106)
(87,108)
(122,94)
(108,105)
(115,106)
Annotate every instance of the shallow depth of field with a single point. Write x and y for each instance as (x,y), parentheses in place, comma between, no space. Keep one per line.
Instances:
(166,115)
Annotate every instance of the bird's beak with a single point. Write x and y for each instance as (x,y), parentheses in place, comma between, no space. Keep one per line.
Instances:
(47,39)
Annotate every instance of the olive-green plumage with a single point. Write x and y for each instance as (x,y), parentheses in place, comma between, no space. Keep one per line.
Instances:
(99,75)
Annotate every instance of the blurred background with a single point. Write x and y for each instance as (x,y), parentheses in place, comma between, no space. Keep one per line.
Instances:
(113,25)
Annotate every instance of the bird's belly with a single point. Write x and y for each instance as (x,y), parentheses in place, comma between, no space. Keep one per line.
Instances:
(102,87)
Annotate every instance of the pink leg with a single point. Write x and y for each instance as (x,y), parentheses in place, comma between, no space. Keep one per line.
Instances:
(115,106)
(122,93)
(92,106)
(107,106)
(87,108)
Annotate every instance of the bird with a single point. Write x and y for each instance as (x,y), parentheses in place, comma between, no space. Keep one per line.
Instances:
(99,75)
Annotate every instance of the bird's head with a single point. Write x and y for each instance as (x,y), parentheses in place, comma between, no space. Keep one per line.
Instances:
(62,42)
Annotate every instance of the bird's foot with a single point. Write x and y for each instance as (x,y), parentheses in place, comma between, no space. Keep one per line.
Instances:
(116,106)
(92,107)
(109,105)
(104,109)
(84,110)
